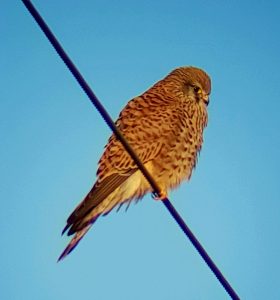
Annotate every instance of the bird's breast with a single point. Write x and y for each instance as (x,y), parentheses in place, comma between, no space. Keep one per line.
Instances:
(179,154)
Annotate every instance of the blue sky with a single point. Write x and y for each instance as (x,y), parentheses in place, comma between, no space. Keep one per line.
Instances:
(52,138)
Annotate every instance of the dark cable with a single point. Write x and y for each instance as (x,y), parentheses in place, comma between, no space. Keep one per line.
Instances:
(128,148)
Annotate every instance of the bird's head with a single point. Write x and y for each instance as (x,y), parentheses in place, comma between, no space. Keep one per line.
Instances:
(194,83)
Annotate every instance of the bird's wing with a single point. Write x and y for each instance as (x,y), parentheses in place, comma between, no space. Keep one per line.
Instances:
(144,129)
(100,191)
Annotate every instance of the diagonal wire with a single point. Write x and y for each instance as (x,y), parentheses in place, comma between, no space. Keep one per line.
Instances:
(75,72)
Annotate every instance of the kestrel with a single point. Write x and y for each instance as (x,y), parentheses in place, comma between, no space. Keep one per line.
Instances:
(165,127)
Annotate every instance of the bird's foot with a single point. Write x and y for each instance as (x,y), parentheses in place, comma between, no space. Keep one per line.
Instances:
(159,196)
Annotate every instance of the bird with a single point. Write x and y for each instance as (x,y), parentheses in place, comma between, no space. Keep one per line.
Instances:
(165,128)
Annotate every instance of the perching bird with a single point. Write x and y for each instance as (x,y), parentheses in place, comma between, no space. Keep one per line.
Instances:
(164,126)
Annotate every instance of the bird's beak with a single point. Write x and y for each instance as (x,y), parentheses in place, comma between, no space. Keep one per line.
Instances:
(206,99)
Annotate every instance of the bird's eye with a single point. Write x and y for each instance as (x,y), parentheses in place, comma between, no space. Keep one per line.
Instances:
(197,89)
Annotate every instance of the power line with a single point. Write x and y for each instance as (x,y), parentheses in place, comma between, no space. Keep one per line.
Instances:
(84,85)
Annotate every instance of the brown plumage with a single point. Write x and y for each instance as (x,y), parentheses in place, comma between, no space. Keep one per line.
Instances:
(165,128)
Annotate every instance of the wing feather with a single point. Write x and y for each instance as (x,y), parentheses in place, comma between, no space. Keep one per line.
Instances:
(100,191)
(145,127)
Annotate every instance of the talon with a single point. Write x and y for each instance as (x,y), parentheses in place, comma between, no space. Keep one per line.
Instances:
(161,196)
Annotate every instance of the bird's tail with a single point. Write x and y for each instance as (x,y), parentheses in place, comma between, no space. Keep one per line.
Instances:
(104,196)
(74,242)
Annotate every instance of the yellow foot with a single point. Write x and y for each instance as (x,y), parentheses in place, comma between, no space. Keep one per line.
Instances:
(161,196)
